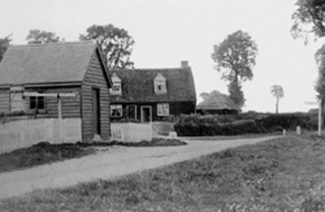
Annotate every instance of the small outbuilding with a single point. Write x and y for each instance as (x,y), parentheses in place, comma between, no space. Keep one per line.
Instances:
(58,81)
(217,103)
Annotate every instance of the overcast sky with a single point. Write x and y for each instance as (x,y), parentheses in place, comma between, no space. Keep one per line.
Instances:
(168,31)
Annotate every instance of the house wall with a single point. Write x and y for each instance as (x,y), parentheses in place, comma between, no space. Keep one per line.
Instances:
(182,108)
(175,108)
(95,78)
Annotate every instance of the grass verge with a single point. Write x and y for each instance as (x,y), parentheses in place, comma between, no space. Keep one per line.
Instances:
(153,143)
(39,154)
(278,175)
(45,152)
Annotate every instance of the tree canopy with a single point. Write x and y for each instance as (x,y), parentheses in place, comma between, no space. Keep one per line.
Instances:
(36,36)
(116,44)
(309,18)
(4,44)
(235,58)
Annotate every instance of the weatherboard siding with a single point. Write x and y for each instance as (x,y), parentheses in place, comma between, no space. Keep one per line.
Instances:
(94,78)
(70,106)
(4,100)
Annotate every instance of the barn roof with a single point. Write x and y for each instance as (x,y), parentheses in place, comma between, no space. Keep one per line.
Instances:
(46,63)
(138,85)
(216,101)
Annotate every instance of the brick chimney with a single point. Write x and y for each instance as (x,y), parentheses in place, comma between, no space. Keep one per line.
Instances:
(184,64)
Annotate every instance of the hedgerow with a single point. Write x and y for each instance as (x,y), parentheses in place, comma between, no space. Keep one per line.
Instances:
(245,123)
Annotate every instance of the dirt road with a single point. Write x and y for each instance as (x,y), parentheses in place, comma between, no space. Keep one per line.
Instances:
(109,164)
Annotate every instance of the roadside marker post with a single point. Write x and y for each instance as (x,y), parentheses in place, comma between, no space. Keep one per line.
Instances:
(319,103)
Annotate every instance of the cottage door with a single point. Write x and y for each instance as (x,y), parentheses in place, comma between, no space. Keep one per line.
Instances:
(146,114)
(96,111)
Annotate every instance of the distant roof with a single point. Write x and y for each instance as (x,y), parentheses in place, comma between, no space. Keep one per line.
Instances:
(217,101)
(138,85)
(46,63)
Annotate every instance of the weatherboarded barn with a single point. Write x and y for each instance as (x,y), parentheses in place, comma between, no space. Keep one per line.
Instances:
(147,95)
(52,80)
(217,103)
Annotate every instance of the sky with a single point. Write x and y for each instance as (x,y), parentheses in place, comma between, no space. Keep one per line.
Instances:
(169,31)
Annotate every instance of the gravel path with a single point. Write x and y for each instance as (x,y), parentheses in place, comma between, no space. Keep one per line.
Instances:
(115,162)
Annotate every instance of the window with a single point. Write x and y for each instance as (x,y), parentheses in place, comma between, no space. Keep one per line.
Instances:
(17,102)
(131,111)
(116,111)
(160,87)
(36,102)
(160,84)
(117,85)
(116,88)
(163,109)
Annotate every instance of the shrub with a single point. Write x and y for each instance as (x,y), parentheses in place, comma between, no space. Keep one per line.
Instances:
(288,121)
(245,123)
(216,128)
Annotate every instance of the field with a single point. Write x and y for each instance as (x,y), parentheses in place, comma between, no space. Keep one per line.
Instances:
(277,175)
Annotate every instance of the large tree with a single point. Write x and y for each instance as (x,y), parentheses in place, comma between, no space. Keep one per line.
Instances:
(278,93)
(320,83)
(36,36)
(116,43)
(235,58)
(309,19)
(4,44)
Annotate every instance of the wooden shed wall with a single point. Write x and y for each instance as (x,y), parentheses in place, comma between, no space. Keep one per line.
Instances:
(70,106)
(4,100)
(95,78)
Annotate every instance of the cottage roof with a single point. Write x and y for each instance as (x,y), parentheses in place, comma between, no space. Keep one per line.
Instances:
(138,85)
(46,63)
(216,101)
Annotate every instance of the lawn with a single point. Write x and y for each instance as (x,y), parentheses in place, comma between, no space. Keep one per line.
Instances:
(277,175)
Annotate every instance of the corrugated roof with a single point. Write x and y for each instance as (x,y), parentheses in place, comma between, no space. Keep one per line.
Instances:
(217,101)
(138,85)
(46,63)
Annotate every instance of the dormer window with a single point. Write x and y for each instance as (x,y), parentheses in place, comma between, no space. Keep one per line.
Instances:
(160,84)
(117,85)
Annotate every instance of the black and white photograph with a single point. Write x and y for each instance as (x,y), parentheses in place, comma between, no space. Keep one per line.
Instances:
(162,105)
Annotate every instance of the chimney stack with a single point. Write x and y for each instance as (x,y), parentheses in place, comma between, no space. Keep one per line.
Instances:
(184,64)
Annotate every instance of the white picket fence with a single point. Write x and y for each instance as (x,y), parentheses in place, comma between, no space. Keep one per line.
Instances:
(25,133)
(136,132)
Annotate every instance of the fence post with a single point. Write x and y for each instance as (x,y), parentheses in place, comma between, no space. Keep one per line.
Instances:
(284,132)
(298,130)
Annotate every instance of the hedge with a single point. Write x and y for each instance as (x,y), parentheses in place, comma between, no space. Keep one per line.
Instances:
(246,123)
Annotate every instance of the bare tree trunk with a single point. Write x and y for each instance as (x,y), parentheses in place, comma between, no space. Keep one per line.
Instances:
(321,121)
(277,106)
